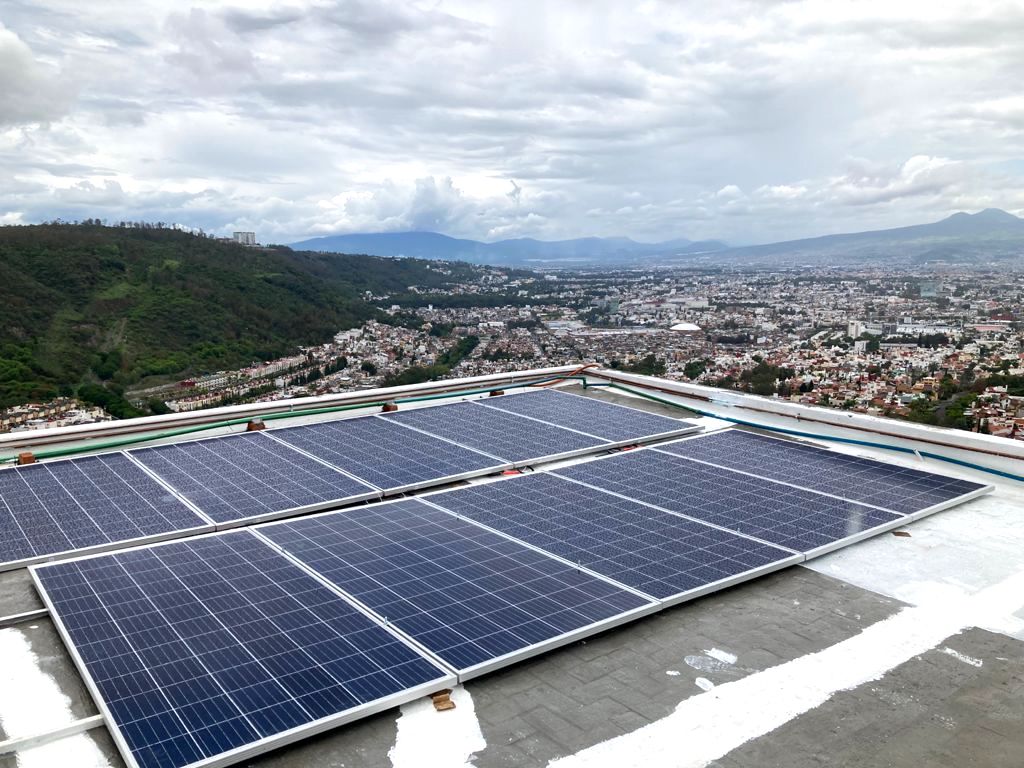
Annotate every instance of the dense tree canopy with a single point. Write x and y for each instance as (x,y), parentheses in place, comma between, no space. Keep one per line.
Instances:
(109,306)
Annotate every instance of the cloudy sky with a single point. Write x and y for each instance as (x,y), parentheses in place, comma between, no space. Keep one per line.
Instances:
(745,121)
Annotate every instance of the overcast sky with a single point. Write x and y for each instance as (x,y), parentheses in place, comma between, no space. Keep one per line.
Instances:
(745,121)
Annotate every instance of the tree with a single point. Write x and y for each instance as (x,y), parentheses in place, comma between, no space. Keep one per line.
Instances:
(694,368)
(648,366)
(368,367)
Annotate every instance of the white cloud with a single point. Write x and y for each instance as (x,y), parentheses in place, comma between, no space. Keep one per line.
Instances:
(30,91)
(729,192)
(734,120)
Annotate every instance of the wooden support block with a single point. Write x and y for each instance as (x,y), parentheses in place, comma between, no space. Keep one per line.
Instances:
(496,392)
(255,425)
(27,457)
(389,407)
(443,700)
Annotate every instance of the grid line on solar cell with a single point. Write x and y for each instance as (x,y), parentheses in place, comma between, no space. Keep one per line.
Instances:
(200,647)
(248,475)
(466,594)
(76,504)
(497,433)
(790,517)
(888,486)
(651,550)
(384,454)
(609,421)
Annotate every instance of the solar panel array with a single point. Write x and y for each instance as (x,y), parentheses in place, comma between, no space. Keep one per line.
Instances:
(200,647)
(797,519)
(216,648)
(889,486)
(249,476)
(656,552)
(496,433)
(79,505)
(84,504)
(385,454)
(468,595)
(585,414)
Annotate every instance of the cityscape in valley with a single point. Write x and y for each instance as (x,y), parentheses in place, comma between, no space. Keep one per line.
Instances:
(942,345)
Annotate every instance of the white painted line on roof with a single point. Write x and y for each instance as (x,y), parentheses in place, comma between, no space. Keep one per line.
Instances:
(963,657)
(438,739)
(31,702)
(705,663)
(723,656)
(708,726)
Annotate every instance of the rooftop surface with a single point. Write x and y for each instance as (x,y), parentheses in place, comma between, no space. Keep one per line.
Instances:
(901,650)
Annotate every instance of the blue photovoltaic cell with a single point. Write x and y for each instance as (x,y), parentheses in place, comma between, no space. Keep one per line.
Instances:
(208,645)
(852,477)
(790,517)
(75,504)
(463,592)
(585,414)
(383,453)
(247,475)
(650,550)
(494,432)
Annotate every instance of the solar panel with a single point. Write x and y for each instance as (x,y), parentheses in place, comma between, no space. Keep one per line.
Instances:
(594,417)
(249,477)
(387,455)
(790,517)
(475,599)
(496,433)
(218,648)
(872,482)
(86,504)
(658,553)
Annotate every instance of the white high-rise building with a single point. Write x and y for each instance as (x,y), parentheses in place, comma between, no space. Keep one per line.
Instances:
(245,238)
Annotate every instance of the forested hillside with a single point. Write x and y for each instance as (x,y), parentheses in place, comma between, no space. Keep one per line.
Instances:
(85,303)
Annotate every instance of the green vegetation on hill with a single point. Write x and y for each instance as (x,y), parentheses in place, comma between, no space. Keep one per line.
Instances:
(91,308)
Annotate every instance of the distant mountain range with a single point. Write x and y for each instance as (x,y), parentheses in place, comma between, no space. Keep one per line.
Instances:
(991,234)
(525,251)
(988,235)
